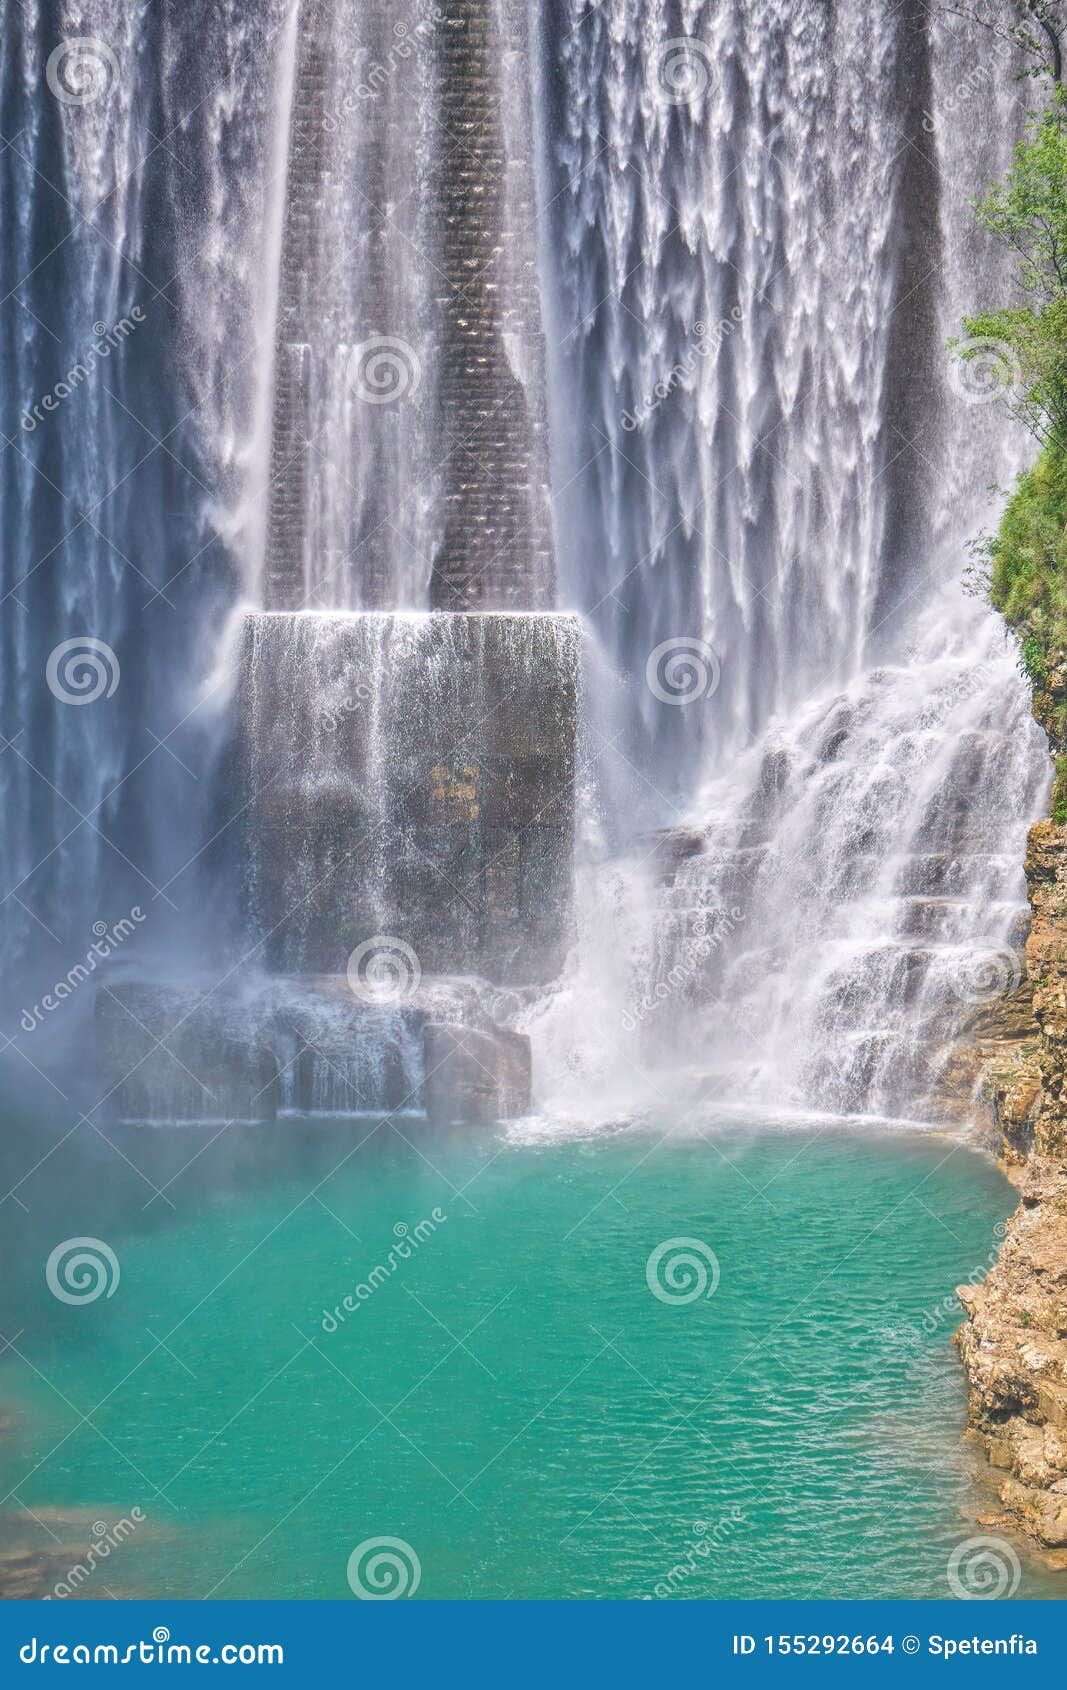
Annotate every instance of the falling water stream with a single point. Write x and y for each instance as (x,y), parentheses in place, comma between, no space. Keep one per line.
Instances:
(768,470)
(754,244)
(738,241)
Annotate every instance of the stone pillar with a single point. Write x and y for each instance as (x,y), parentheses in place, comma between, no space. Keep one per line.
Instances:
(497,548)
(483,357)
(411,777)
(287,498)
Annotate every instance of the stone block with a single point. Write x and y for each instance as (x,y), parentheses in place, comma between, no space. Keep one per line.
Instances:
(475,1076)
(411,776)
(182,1053)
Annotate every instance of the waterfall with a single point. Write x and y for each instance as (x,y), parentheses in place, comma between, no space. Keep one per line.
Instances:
(282,282)
(135,186)
(409,460)
(767,472)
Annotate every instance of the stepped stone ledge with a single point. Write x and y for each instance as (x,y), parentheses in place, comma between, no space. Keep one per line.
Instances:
(1013,1343)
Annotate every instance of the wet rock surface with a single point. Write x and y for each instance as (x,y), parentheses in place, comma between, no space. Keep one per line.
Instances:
(188,1053)
(475,1075)
(1014,1341)
(411,777)
(1014,1348)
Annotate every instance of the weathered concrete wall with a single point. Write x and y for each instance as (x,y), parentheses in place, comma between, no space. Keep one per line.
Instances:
(411,776)
(254,1047)
(497,544)
(465,92)
(288,492)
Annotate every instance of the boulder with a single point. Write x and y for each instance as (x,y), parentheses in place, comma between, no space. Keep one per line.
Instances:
(182,1053)
(475,1076)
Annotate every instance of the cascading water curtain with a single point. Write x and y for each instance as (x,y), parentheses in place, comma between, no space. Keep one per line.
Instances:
(135,191)
(767,468)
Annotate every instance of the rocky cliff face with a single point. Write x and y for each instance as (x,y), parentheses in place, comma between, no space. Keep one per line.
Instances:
(1014,1341)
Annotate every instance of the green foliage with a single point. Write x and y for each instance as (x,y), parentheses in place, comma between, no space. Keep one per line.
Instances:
(1059,793)
(1032,659)
(1027,212)
(1027,559)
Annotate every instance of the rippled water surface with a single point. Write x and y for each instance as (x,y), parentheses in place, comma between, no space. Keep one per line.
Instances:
(513,1401)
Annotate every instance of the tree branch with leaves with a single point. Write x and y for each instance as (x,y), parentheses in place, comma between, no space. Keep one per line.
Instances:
(1038,28)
